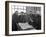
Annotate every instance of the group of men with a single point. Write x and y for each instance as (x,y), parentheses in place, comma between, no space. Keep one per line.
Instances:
(32,19)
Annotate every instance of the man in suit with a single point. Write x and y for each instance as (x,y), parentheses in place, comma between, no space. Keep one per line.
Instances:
(15,20)
(36,21)
(23,17)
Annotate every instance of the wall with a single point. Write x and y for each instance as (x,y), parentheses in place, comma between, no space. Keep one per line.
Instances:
(2,19)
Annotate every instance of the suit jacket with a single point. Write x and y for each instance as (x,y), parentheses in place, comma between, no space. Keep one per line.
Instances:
(36,21)
(23,18)
(15,20)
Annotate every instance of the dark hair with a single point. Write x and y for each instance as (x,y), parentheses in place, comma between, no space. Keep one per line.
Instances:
(22,12)
(16,12)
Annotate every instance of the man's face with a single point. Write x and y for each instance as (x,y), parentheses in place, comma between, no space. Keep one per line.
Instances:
(16,13)
(22,13)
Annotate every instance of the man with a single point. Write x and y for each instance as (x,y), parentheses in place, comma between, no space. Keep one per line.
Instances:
(36,20)
(21,17)
(15,21)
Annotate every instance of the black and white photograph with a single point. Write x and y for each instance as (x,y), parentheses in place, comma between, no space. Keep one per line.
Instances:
(25,17)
